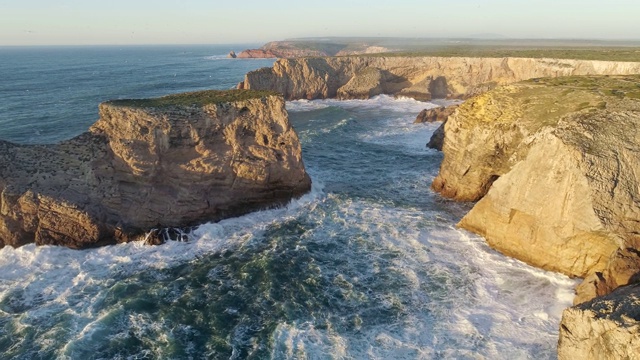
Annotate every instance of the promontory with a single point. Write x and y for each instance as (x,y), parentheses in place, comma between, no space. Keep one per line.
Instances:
(169,162)
(554,165)
(420,77)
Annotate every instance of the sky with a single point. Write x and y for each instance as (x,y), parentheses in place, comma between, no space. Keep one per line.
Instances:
(120,22)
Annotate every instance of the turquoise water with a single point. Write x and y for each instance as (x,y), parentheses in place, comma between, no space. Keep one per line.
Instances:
(368,265)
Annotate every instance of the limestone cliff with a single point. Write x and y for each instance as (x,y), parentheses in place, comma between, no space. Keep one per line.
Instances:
(606,328)
(555,165)
(420,77)
(302,48)
(174,161)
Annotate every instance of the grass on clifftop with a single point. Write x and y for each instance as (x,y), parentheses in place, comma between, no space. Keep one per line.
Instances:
(198,98)
(631,54)
(623,86)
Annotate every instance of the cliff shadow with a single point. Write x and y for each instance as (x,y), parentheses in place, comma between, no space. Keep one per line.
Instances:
(438,88)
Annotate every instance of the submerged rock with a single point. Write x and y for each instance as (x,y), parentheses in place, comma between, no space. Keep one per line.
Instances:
(555,166)
(170,162)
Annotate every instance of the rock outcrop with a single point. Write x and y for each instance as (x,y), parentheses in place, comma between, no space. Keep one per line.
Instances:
(605,328)
(175,161)
(440,113)
(232,54)
(423,78)
(555,165)
(256,54)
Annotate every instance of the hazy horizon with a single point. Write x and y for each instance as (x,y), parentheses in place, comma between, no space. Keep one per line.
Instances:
(174,22)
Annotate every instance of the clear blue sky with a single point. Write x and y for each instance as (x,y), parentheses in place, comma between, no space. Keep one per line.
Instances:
(63,22)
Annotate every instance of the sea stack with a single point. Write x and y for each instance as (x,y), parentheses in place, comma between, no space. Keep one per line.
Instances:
(175,161)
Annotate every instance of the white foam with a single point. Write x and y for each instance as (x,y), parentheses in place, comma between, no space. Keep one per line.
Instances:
(380,102)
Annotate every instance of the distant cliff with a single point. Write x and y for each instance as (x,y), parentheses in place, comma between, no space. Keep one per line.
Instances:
(423,78)
(295,49)
(175,161)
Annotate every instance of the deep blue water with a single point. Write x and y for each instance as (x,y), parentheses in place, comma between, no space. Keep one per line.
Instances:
(52,93)
(369,265)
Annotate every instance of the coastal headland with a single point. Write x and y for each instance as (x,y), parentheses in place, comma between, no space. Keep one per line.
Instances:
(166,164)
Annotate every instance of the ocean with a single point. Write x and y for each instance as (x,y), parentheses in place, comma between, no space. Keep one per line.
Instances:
(368,265)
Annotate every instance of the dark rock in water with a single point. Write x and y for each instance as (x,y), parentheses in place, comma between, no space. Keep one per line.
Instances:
(232,54)
(165,163)
(437,139)
(435,114)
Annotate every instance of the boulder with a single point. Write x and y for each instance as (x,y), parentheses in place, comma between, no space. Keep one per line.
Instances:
(170,162)
(605,328)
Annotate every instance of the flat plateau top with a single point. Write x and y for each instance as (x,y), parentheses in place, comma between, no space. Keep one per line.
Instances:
(197,98)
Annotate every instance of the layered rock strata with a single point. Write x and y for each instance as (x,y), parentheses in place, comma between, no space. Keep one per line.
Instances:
(422,78)
(175,161)
(555,165)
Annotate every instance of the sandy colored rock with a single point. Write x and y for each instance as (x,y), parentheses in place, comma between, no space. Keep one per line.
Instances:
(175,161)
(418,77)
(607,327)
(555,166)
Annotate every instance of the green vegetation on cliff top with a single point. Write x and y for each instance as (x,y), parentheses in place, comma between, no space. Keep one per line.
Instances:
(543,102)
(197,98)
(631,54)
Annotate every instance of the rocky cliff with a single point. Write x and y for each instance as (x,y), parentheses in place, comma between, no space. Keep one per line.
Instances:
(555,165)
(174,161)
(420,77)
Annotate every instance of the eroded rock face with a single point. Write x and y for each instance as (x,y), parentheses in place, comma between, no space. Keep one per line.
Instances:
(555,167)
(605,328)
(422,78)
(175,161)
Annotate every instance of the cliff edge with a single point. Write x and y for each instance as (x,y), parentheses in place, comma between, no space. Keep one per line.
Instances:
(174,161)
(554,165)
(423,78)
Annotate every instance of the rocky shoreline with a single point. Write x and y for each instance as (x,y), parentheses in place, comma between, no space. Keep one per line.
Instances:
(552,163)
(170,162)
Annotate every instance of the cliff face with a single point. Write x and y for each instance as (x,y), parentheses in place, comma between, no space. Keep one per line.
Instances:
(420,77)
(175,161)
(555,166)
